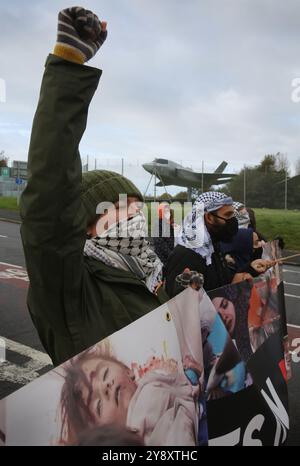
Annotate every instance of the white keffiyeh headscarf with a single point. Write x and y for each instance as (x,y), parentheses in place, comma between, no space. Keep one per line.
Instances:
(124,246)
(194,234)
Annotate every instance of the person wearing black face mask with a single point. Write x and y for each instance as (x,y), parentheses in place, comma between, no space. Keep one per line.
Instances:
(257,250)
(226,231)
(211,221)
(257,253)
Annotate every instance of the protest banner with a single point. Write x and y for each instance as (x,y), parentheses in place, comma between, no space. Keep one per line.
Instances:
(202,369)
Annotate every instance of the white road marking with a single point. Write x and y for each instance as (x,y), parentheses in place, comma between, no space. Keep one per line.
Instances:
(293,325)
(1,236)
(41,359)
(291,271)
(292,284)
(13,373)
(14,273)
(291,296)
(11,265)
(10,372)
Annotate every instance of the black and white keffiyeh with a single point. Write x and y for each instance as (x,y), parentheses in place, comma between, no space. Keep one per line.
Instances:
(124,246)
(194,234)
(243,218)
(213,200)
(237,205)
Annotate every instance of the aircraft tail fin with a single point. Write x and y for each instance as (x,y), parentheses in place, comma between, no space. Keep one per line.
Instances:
(221,167)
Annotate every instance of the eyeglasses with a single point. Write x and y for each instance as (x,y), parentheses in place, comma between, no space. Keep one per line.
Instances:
(218,216)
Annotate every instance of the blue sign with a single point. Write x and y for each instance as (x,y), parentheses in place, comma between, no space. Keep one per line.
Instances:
(19,181)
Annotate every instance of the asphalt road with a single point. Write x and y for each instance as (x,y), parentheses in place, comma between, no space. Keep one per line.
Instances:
(11,251)
(26,358)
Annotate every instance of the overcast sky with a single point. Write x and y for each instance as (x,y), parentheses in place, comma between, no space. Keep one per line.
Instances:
(185,80)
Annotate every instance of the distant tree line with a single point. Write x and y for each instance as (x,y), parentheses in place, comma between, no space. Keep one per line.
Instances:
(266,184)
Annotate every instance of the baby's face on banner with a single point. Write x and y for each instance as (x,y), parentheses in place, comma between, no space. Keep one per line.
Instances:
(112,389)
(225,308)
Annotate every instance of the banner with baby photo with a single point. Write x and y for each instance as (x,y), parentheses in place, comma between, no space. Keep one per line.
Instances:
(140,386)
(165,379)
(145,385)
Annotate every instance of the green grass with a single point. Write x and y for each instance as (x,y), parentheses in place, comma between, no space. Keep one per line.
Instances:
(9,203)
(273,222)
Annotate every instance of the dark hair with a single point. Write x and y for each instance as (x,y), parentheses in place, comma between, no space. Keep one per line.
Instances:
(75,413)
(110,435)
(239,294)
(252,218)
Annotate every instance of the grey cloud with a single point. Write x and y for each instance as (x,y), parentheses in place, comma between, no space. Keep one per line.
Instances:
(198,80)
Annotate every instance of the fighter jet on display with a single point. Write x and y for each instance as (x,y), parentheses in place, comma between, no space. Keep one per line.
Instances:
(172,173)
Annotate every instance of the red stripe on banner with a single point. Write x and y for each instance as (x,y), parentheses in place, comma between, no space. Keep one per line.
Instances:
(283,369)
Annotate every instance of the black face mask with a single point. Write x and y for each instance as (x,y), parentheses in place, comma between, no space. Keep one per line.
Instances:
(227,231)
(257,253)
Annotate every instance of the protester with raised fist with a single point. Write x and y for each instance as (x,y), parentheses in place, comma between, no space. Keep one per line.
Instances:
(88,278)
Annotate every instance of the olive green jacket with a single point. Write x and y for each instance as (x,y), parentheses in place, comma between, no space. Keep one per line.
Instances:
(74,301)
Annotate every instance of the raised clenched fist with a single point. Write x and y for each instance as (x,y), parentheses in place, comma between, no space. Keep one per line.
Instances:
(80,34)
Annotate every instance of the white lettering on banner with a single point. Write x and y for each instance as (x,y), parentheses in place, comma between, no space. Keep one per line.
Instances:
(256,423)
(276,404)
(233,438)
(279,427)
(278,410)
(230,439)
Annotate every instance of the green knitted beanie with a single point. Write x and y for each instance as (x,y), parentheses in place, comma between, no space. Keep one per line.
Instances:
(104,186)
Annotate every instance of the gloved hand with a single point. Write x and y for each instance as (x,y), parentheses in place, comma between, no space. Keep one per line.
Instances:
(190,278)
(80,34)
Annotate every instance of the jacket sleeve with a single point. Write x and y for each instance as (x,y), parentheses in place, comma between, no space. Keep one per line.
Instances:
(53,227)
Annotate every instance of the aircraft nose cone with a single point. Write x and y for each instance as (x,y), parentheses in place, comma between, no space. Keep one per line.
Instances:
(147,166)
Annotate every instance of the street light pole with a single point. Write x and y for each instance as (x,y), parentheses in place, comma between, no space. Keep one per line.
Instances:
(285,190)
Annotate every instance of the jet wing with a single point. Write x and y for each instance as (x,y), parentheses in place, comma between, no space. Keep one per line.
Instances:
(189,179)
